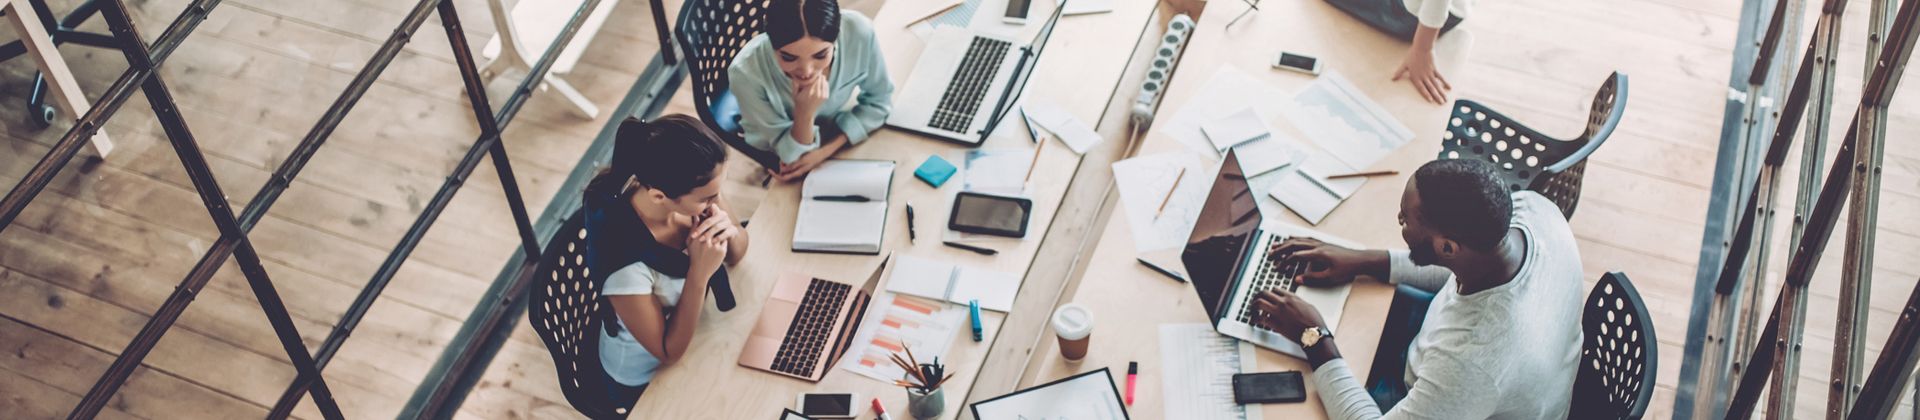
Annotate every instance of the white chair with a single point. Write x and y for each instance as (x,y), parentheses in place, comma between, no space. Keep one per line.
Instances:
(522,35)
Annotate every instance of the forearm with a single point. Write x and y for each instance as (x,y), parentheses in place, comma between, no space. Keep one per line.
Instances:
(1325,352)
(685,316)
(1424,37)
(802,129)
(737,248)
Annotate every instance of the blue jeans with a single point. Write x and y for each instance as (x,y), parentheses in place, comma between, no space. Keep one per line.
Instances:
(1388,382)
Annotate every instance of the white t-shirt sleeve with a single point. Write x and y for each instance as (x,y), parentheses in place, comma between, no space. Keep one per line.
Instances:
(634,279)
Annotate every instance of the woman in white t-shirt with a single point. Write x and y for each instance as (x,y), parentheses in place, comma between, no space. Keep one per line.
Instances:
(657,226)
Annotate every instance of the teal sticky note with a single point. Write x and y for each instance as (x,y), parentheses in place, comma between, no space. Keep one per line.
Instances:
(935,171)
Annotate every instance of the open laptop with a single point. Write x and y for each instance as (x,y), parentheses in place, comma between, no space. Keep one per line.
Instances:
(966,83)
(807,324)
(1226,261)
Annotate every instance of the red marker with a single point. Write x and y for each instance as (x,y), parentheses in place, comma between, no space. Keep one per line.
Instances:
(1133,371)
(880,411)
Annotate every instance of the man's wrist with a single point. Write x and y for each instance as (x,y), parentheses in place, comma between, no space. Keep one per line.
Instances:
(1322,352)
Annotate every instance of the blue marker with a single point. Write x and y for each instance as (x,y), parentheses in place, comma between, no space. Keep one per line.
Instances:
(975,306)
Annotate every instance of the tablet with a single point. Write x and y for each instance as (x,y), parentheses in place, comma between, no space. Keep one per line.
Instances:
(990,214)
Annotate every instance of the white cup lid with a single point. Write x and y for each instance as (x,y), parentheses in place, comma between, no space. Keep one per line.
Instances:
(1072,322)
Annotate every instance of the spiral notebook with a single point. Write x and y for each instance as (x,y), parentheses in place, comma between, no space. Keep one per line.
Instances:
(843,207)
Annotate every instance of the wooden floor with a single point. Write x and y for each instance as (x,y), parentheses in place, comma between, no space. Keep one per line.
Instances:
(88,262)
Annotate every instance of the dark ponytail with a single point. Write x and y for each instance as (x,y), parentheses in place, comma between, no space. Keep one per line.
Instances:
(791,20)
(674,154)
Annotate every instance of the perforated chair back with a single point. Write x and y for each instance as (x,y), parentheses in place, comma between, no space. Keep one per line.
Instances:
(711,33)
(565,308)
(1531,160)
(1618,357)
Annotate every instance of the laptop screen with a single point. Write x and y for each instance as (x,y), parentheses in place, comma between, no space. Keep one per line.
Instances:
(1024,71)
(1227,221)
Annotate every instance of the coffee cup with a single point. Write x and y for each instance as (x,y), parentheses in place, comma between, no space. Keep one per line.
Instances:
(1073,325)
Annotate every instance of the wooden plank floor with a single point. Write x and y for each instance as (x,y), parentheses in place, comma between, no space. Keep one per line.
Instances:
(89,261)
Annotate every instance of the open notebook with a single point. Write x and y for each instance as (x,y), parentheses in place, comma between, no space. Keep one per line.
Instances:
(959,284)
(831,220)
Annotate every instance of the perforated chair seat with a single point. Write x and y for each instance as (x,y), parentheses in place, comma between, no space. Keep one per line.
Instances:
(566,310)
(1618,357)
(711,33)
(1528,159)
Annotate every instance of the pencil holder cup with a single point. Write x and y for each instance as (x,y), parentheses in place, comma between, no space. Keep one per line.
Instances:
(926,405)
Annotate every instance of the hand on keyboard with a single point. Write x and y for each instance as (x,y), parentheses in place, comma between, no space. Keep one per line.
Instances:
(1328,264)
(1286,314)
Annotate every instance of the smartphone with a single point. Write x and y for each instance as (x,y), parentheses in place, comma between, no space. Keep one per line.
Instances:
(1017,11)
(1269,387)
(990,214)
(827,405)
(1297,62)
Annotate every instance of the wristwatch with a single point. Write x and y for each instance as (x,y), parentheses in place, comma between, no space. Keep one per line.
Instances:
(1312,336)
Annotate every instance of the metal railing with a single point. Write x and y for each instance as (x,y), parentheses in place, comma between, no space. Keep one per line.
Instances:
(1852,178)
(233,242)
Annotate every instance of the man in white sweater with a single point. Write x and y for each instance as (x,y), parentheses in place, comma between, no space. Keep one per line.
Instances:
(1501,338)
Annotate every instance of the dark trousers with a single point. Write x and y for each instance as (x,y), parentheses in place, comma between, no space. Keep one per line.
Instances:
(1389,16)
(1388,382)
(621,396)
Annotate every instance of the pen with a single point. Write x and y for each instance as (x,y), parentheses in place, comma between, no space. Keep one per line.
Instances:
(1133,371)
(1032,133)
(845,198)
(1364,174)
(879,411)
(910,234)
(975,305)
(981,251)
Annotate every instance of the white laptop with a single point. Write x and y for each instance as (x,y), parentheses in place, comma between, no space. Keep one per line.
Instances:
(966,83)
(1226,261)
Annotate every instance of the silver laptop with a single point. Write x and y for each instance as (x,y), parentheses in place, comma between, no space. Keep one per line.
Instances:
(1226,261)
(966,83)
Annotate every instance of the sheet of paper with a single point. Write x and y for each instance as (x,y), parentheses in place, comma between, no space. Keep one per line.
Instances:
(1197,367)
(1341,119)
(995,290)
(839,223)
(997,171)
(868,178)
(923,277)
(898,323)
(1083,7)
(1228,91)
(1075,133)
(1305,189)
(1233,129)
(1266,155)
(1144,182)
(1090,396)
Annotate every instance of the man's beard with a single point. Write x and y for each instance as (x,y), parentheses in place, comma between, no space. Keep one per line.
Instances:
(1423,254)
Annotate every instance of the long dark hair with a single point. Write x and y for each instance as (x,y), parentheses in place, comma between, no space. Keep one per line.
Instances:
(791,20)
(674,154)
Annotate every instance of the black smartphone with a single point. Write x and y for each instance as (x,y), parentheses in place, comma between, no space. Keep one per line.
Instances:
(990,214)
(1017,11)
(1269,387)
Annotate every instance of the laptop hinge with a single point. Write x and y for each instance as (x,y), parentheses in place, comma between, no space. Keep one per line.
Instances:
(1005,105)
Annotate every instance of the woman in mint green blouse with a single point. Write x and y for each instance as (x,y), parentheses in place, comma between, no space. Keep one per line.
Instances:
(797,84)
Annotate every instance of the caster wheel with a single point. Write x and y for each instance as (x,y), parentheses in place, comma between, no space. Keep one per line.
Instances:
(45,117)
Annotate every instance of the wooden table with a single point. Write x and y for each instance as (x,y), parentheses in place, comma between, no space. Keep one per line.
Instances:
(1078,71)
(1130,301)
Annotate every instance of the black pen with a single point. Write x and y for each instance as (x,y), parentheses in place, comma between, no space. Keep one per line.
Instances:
(981,251)
(910,235)
(843,198)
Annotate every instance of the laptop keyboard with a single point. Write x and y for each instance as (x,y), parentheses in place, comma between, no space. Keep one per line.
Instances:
(969,85)
(812,323)
(1271,274)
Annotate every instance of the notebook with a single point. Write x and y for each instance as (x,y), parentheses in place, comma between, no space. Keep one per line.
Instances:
(959,284)
(851,227)
(1087,396)
(1231,130)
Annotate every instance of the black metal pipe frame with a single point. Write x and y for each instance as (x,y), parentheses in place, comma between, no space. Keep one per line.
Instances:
(1878,395)
(211,196)
(1806,256)
(488,144)
(69,144)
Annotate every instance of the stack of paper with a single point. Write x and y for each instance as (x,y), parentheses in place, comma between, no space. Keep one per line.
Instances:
(843,207)
(1197,365)
(954,283)
(899,323)
(1234,129)
(1144,183)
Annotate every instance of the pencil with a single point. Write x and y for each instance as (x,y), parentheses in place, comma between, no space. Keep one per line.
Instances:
(1170,190)
(1032,165)
(1364,174)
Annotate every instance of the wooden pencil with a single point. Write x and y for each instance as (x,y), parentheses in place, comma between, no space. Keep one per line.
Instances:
(1170,190)
(1364,174)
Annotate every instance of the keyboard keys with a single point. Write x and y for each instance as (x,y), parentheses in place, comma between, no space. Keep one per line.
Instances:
(968,89)
(1270,274)
(807,336)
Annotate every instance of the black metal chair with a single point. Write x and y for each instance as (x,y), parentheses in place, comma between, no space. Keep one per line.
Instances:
(566,310)
(1617,370)
(711,32)
(1531,160)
